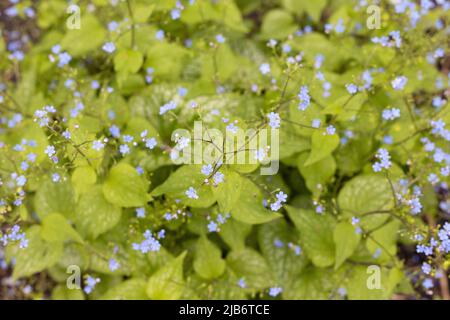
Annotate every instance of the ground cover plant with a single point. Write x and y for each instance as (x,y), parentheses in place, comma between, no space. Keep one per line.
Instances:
(116,181)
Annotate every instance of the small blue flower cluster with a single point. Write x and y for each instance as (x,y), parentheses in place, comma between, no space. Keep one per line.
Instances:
(90,284)
(281,198)
(150,243)
(214,226)
(14,235)
(384,160)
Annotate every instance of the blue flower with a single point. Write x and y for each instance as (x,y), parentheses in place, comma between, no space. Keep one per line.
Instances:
(182,91)
(212,226)
(426,268)
(207,169)
(274,120)
(316,123)
(191,193)
(127,138)
(438,102)
(98,145)
(175,14)
(218,178)
(281,196)
(428,283)
(415,205)
(167,107)
(160,34)
(275,206)
(148,244)
(50,151)
(66,134)
(384,160)
(391,114)
(56,177)
(318,61)
(56,49)
(124,149)
(140,212)
(304,97)
(387,139)
(220,38)
(242,284)
(113,265)
(90,284)
(21,180)
(115,131)
(63,59)
(112,26)
(109,47)
(31,157)
(260,154)
(342,291)
(286,48)
(330,130)
(399,82)
(264,68)
(367,78)
(232,127)
(351,88)
(150,143)
(24,166)
(278,243)
(161,234)
(275,291)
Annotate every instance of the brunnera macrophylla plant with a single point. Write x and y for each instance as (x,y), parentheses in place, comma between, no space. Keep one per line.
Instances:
(93,170)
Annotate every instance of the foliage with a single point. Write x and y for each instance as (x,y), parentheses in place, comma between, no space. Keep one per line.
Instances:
(90,149)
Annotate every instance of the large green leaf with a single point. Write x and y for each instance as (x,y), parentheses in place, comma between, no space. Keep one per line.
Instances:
(250,209)
(317,174)
(366,194)
(52,197)
(322,145)
(314,284)
(128,61)
(249,265)
(208,262)
(316,234)
(384,240)
(167,59)
(82,178)
(277,24)
(39,255)
(181,180)
(228,192)
(353,156)
(234,233)
(89,37)
(167,283)
(95,215)
(284,263)
(55,227)
(124,187)
(346,240)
